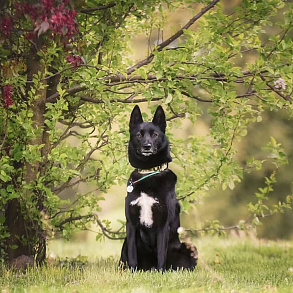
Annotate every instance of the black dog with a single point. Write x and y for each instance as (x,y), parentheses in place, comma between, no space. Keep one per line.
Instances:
(151,208)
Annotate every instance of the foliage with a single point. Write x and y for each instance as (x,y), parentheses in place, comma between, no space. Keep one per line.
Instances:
(66,85)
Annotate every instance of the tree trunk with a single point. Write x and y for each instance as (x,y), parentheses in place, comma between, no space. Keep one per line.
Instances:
(27,237)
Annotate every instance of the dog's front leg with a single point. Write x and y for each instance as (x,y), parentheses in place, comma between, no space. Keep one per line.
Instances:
(162,247)
(131,243)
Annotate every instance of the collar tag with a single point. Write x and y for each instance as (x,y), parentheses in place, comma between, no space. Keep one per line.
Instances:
(129,188)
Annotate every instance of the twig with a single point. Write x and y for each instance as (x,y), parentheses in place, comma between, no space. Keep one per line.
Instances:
(286,98)
(281,39)
(232,227)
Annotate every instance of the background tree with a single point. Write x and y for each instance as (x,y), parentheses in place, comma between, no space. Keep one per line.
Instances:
(68,79)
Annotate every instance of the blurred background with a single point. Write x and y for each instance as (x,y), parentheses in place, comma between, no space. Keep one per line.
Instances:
(214,206)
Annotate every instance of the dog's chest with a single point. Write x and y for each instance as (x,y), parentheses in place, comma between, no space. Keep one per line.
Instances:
(145,204)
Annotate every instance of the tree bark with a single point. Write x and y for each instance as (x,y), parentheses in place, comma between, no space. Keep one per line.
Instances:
(27,236)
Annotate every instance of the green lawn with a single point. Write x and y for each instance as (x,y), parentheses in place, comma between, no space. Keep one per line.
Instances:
(225,265)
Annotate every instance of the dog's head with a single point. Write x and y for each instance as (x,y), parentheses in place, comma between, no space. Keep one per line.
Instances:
(148,145)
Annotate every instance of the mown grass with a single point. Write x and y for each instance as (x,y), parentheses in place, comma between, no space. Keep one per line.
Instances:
(226,265)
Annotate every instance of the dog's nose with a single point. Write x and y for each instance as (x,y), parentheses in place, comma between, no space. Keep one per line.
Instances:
(147,146)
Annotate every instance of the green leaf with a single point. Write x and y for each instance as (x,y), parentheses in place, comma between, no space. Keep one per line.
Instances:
(168,99)
(4,177)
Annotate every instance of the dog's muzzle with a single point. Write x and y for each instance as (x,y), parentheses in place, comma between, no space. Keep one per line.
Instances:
(147,150)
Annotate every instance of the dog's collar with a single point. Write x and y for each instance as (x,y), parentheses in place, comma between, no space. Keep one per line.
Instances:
(160,168)
(148,172)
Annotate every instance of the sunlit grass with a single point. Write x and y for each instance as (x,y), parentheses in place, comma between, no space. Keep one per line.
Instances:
(226,265)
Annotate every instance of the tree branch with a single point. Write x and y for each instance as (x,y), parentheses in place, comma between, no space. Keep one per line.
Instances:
(99,8)
(84,125)
(70,91)
(106,232)
(124,101)
(67,184)
(173,37)
(232,227)
(72,219)
(121,79)
(196,97)
(286,98)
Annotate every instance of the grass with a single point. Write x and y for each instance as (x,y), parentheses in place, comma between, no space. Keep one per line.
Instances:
(226,265)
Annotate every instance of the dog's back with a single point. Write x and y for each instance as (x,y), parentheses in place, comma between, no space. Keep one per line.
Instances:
(151,208)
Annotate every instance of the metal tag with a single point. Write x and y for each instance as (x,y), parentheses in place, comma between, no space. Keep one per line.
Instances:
(129,188)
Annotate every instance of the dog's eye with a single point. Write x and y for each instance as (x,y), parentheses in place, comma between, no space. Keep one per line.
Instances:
(138,135)
(154,135)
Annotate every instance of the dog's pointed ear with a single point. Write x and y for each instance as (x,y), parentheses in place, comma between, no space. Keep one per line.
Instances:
(160,118)
(135,117)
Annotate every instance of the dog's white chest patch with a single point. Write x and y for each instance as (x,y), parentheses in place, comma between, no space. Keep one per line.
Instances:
(145,202)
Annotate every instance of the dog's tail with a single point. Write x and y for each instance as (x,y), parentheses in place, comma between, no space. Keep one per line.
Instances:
(184,257)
